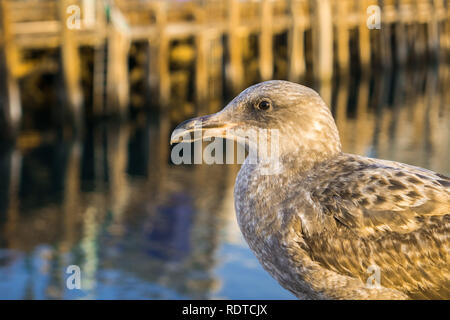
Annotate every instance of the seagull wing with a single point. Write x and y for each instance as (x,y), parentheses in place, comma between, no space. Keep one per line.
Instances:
(389,216)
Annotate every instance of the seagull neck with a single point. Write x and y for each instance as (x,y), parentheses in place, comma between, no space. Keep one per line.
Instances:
(305,160)
(288,166)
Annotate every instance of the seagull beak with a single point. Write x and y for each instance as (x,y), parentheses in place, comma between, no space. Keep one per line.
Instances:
(214,125)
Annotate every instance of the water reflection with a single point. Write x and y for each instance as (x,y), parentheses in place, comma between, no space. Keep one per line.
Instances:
(141,228)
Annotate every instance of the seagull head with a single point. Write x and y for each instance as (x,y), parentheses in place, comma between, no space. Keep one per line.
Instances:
(296,114)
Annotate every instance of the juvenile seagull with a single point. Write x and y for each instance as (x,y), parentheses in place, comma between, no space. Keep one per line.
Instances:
(327,222)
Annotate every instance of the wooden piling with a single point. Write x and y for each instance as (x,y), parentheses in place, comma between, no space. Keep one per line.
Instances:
(100,59)
(323,40)
(9,60)
(201,67)
(432,30)
(117,74)
(342,8)
(439,14)
(388,16)
(70,64)
(364,33)
(266,40)
(404,15)
(235,72)
(99,80)
(162,54)
(296,58)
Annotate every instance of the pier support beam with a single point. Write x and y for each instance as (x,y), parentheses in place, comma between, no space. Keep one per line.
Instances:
(388,15)
(119,42)
(201,61)
(296,58)
(322,26)
(343,34)
(11,108)
(265,41)
(364,33)
(401,44)
(99,81)
(12,104)
(201,68)
(9,64)
(235,70)
(159,72)
(117,74)
(433,32)
(70,65)
(100,57)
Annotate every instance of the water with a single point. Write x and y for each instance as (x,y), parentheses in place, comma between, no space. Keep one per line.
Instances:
(140,227)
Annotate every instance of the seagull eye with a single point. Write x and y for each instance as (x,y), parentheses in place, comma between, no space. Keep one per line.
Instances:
(264,105)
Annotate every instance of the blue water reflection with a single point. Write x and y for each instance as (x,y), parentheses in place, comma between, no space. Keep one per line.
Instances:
(140,227)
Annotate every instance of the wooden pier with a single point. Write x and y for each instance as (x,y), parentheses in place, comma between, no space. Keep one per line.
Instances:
(323,38)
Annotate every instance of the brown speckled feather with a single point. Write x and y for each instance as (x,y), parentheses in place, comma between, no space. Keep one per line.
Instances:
(388,214)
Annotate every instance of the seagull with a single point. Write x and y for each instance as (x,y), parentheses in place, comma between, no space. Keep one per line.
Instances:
(327,224)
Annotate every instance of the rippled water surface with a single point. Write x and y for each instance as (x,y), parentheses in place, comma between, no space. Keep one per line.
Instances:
(140,227)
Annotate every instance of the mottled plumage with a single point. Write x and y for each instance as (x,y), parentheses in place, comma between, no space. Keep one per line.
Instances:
(321,221)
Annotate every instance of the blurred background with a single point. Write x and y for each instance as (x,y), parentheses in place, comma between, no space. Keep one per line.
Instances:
(90,91)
